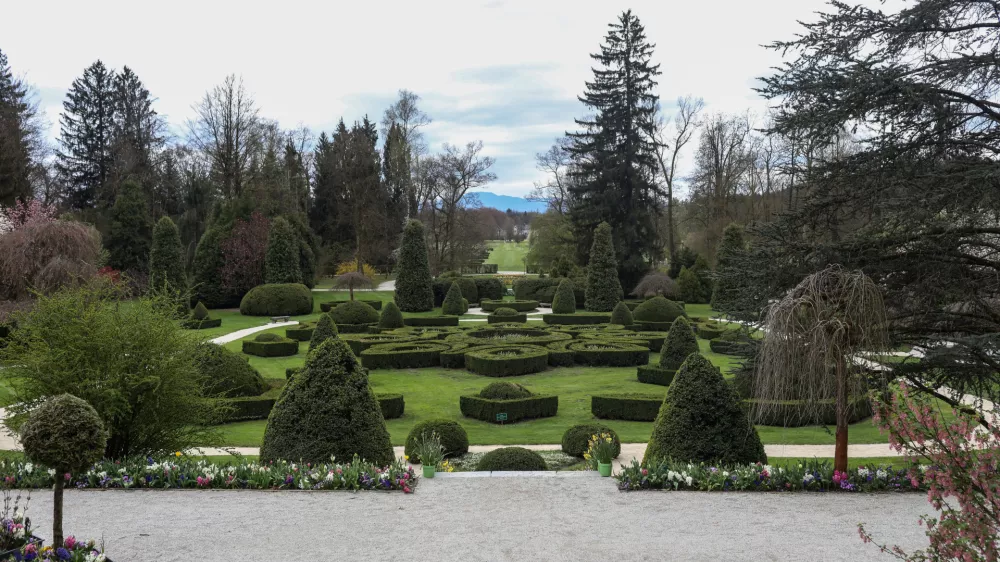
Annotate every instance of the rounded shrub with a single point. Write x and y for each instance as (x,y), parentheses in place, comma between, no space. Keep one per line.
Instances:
(285,299)
(413,291)
(454,439)
(511,458)
(507,361)
(327,409)
(504,314)
(226,374)
(268,337)
(657,313)
(621,315)
(576,438)
(504,311)
(564,301)
(519,306)
(603,288)
(391,317)
(452,305)
(680,343)
(325,329)
(353,312)
(703,420)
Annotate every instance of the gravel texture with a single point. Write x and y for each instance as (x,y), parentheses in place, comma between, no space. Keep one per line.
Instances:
(577,517)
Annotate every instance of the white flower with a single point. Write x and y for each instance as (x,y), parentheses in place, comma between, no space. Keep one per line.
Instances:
(862,472)
(28,467)
(881,474)
(808,478)
(688,480)
(725,474)
(52,472)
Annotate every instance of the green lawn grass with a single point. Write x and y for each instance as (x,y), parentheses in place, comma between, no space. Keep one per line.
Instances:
(509,256)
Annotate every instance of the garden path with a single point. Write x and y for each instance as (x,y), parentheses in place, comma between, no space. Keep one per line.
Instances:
(231,337)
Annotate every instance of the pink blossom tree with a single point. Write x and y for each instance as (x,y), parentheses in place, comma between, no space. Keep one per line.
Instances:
(25,213)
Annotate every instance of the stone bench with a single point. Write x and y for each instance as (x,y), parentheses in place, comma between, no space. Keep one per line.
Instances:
(276,319)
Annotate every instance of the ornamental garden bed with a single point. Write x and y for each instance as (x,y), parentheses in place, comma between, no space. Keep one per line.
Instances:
(608,354)
(652,340)
(554,460)
(559,356)
(518,305)
(431,321)
(507,361)
(514,318)
(410,355)
(577,318)
(626,406)
(508,411)
(503,335)
(724,347)
(653,374)
(357,328)
(270,344)
(360,342)
(300,332)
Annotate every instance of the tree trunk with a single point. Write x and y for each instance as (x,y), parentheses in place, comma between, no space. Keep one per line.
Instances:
(840,452)
(57,511)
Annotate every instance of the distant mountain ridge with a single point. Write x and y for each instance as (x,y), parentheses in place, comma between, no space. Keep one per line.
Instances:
(504,202)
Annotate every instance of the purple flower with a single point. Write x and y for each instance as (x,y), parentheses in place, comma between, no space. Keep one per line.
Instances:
(62,553)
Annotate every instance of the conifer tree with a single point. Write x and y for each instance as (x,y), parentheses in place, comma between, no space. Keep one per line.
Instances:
(413,291)
(86,133)
(137,129)
(564,301)
(166,259)
(16,113)
(131,230)
(452,305)
(727,288)
(678,345)
(603,288)
(281,263)
(325,329)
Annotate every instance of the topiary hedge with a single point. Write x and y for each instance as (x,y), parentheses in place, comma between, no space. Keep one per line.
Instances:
(511,459)
(519,306)
(452,304)
(269,344)
(282,299)
(413,291)
(504,315)
(302,331)
(193,324)
(622,315)
(564,301)
(392,405)
(453,437)
(725,347)
(626,406)
(498,410)
(710,330)
(353,313)
(603,289)
(489,288)
(431,321)
(680,343)
(529,289)
(507,361)
(454,357)
(374,303)
(324,330)
(245,409)
(798,413)
(428,332)
(502,335)
(657,314)
(226,374)
(559,356)
(654,374)
(608,354)
(576,438)
(361,342)
(651,340)
(578,318)
(410,355)
(391,317)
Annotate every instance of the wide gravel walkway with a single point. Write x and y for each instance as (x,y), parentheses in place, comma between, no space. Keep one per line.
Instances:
(576,517)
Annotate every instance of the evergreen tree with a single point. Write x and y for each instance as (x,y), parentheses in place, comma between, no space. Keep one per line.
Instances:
(324,212)
(166,259)
(414,292)
(678,345)
(296,179)
(207,271)
(452,305)
(685,257)
(282,260)
(375,228)
(15,149)
(86,133)
(564,301)
(603,288)
(396,171)
(613,157)
(136,131)
(691,286)
(727,287)
(391,317)
(325,329)
(131,230)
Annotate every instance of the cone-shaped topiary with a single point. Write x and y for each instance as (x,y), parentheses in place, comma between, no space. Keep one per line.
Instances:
(452,305)
(621,315)
(564,302)
(200,312)
(703,420)
(603,288)
(328,409)
(325,329)
(391,317)
(727,288)
(66,434)
(281,262)
(414,292)
(679,343)
(166,258)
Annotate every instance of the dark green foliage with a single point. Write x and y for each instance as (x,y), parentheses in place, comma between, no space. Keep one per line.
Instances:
(408,355)
(603,288)
(519,306)
(454,439)
(504,391)
(702,420)
(517,409)
(680,343)
(576,438)
(85,158)
(452,305)
(64,433)
(303,331)
(15,137)
(653,374)
(166,259)
(391,317)
(530,289)
(511,459)
(286,299)
(413,291)
(504,311)
(726,289)
(710,330)
(327,409)
(507,361)
(692,287)
(270,344)
(200,319)
(516,335)
(353,313)
(131,233)
(564,301)
(685,257)
(361,342)
(245,409)
(506,315)
(268,337)
(206,268)
(657,314)
(651,340)
(489,288)
(281,263)
(798,413)
(609,354)
(392,405)
(559,356)
(226,374)
(325,329)
(621,315)
(625,406)
(199,312)
(578,318)
(431,321)
(467,285)
(328,306)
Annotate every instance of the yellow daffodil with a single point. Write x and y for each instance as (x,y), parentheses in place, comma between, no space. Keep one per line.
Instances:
(406,457)
(177,454)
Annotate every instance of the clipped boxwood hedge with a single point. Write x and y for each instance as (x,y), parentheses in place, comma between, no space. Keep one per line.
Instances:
(651,340)
(520,318)
(506,459)
(277,299)
(454,358)
(431,321)
(652,374)
(485,409)
(428,332)
(798,413)
(728,347)
(453,437)
(301,332)
(489,288)
(559,356)
(507,361)
(710,330)
(518,305)
(195,324)
(374,303)
(626,406)
(392,405)
(246,408)
(361,342)
(275,346)
(576,438)
(503,335)
(357,328)
(608,354)
(578,318)
(410,355)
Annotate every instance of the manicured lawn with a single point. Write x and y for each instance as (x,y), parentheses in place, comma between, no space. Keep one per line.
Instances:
(509,256)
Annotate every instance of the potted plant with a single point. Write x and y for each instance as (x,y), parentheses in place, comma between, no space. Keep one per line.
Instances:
(15,527)
(430,451)
(600,452)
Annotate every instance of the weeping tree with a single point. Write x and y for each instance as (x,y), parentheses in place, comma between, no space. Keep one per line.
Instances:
(815,344)
(353,280)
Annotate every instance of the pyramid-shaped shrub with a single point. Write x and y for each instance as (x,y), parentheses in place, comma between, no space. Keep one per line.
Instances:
(414,292)
(621,315)
(453,305)
(325,329)
(603,288)
(391,317)
(703,420)
(680,343)
(564,302)
(328,409)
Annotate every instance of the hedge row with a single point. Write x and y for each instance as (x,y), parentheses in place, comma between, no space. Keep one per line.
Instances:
(357,328)
(578,318)
(710,330)
(518,409)
(430,332)
(608,329)
(651,340)
(544,290)
(466,284)
(516,318)
(608,354)
(507,361)
(520,306)
(392,405)
(559,356)
(281,348)
(300,332)
(374,303)
(728,347)
(651,374)
(626,406)
(413,355)
(503,335)
(431,321)
(797,413)
(361,342)
(195,324)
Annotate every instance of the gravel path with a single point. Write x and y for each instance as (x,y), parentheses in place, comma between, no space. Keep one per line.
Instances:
(576,517)
(238,335)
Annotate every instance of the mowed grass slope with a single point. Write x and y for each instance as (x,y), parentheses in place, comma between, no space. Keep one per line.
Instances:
(509,256)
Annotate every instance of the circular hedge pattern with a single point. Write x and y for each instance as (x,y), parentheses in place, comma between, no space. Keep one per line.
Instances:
(361,342)
(409,355)
(497,335)
(651,340)
(609,354)
(576,438)
(516,305)
(511,458)
(507,361)
(454,439)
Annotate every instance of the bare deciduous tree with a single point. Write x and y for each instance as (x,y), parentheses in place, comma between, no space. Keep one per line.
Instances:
(405,114)
(668,146)
(555,163)
(226,129)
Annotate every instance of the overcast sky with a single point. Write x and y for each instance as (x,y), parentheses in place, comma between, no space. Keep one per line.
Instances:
(507,72)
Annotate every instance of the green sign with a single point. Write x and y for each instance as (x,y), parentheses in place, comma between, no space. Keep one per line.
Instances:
(501,417)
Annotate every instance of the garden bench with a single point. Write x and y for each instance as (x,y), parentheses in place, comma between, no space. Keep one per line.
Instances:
(276,319)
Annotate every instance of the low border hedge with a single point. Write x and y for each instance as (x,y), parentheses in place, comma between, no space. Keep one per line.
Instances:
(728,347)
(507,361)
(652,340)
(626,406)
(392,405)
(578,318)
(247,408)
(326,306)
(651,326)
(559,356)
(798,413)
(485,409)
(710,331)
(652,374)
(518,305)
(357,328)
(578,330)
(360,342)
(300,332)
(454,358)
(608,354)
(284,348)
(430,332)
(193,324)
(504,335)
(431,321)
(409,355)
(517,318)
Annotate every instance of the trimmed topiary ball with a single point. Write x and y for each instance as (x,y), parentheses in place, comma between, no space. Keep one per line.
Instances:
(454,439)
(504,391)
(285,299)
(227,374)
(621,315)
(268,336)
(354,312)
(511,458)
(391,318)
(504,311)
(679,344)
(325,329)
(703,420)
(576,438)
(452,305)
(327,409)
(564,301)
(657,309)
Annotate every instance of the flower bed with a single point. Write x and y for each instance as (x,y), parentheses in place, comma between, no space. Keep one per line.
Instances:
(507,361)
(609,354)
(626,406)
(812,476)
(518,305)
(410,355)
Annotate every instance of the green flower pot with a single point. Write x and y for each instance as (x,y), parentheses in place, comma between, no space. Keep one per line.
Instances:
(429,471)
(604,469)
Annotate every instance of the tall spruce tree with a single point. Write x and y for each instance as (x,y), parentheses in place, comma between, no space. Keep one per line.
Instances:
(727,288)
(137,130)
(16,113)
(131,230)
(375,232)
(166,258)
(86,131)
(396,173)
(323,212)
(613,156)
